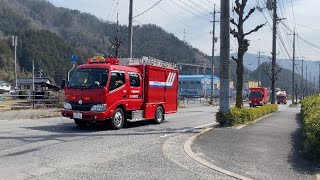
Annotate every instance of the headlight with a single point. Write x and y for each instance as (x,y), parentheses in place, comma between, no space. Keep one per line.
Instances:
(260,102)
(67,106)
(99,108)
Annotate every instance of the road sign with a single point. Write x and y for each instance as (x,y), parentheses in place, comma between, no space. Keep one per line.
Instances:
(73,58)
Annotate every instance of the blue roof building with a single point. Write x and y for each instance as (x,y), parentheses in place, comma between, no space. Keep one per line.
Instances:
(198,85)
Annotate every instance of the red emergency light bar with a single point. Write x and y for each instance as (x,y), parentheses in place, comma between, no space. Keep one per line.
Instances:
(101,59)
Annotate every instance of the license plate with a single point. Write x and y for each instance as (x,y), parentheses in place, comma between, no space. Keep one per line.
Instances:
(77,115)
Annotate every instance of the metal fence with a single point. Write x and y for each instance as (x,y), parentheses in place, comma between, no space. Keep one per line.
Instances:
(25,98)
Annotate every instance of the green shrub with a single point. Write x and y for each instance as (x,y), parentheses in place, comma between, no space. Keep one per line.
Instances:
(310,113)
(237,116)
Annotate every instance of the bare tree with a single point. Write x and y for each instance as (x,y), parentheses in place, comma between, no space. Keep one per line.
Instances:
(243,44)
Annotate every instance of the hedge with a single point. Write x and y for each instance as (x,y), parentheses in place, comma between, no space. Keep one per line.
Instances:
(237,116)
(310,113)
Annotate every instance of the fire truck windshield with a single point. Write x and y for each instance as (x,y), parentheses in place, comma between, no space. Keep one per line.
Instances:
(88,78)
(255,95)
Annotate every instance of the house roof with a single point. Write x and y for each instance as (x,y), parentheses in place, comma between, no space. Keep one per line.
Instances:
(4,82)
(36,80)
(197,77)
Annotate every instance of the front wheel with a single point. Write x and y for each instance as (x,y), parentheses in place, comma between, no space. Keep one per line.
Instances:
(117,120)
(159,117)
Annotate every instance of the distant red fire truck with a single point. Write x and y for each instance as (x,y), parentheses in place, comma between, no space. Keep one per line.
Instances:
(105,91)
(258,96)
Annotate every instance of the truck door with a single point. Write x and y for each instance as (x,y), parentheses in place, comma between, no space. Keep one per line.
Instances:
(117,89)
(134,91)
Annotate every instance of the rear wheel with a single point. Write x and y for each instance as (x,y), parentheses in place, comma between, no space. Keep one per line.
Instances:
(159,116)
(80,123)
(117,121)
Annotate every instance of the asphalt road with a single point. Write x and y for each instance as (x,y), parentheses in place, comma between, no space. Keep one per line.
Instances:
(56,149)
(268,149)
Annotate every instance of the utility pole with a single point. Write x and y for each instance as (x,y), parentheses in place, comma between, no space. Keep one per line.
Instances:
(15,44)
(213,43)
(302,94)
(130,28)
(117,39)
(205,80)
(274,53)
(293,64)
(306,80)
(259,70)
(224,56)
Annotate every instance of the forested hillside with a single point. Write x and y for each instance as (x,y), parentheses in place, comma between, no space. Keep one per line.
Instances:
(49,35)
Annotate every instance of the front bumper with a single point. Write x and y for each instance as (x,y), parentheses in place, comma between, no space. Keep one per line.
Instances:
(256,104)
(86,115)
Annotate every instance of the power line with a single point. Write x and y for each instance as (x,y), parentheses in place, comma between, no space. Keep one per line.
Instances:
(208,2)
(305,41)
(308,27)
(110,10)
(189,11)
(279,37)
(115,8)
(199,6)
(294,19)
(148,9)
(171,15)
(194,8)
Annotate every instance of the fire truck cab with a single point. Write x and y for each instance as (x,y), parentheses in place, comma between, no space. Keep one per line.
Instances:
(103,91)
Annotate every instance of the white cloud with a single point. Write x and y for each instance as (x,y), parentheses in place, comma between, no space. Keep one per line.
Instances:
(174,20)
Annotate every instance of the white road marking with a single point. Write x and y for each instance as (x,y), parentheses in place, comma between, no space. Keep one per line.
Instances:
(205,125)
(190,129)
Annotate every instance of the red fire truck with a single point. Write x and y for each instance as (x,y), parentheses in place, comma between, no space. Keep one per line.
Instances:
(258,96)
(103,91)
(281,97)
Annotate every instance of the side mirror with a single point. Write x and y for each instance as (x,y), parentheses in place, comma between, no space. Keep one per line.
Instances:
(63,84)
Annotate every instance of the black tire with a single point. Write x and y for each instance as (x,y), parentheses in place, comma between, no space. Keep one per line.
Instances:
(80,123)
(117,121)
(159,115)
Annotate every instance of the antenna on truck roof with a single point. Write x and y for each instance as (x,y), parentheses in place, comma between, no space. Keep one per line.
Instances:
(151,61)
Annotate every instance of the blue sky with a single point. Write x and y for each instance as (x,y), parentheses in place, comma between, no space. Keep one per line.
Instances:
(194,20)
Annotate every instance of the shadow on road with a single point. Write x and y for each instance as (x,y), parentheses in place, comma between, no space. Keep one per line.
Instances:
(68,132)
(298,159)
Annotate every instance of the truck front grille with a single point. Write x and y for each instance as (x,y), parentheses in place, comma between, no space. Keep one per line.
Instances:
(81,107)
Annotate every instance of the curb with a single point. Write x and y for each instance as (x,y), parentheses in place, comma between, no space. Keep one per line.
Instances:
(192,155)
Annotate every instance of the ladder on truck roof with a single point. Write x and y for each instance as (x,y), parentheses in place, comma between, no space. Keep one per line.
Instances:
(148,61)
